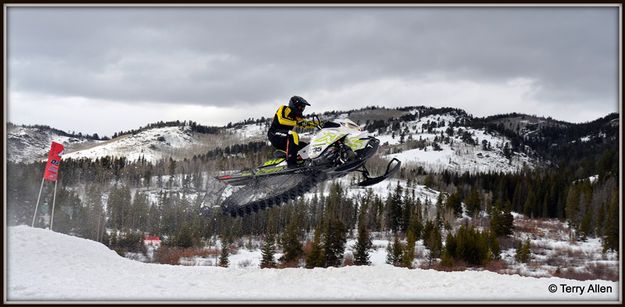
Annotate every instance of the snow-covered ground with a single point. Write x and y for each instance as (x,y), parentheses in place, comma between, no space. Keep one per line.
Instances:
(552,249)
(45,265)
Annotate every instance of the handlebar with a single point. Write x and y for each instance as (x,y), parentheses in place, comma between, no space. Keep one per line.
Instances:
(316,118)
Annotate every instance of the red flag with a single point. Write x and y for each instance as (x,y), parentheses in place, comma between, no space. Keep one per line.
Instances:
(54,160)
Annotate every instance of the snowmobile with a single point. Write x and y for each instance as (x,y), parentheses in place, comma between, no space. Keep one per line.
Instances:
(337,148)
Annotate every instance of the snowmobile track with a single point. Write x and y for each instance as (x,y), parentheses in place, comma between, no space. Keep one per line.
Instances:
(306,184)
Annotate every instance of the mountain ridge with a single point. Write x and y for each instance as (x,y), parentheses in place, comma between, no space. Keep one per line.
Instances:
(525,134)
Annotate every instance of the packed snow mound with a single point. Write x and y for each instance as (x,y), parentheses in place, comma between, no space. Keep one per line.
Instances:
(45,265)
(151,145)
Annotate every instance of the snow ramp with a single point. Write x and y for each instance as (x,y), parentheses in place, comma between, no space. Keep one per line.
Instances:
(43,265)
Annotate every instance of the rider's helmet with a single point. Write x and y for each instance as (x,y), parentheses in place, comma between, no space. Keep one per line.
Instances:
(298,104)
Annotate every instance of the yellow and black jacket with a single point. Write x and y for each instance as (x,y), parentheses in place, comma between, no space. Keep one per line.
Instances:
(284,120)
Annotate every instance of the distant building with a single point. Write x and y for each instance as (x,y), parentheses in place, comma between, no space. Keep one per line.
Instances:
(152,240)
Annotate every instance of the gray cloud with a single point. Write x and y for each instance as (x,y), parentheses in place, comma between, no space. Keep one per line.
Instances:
(244,56)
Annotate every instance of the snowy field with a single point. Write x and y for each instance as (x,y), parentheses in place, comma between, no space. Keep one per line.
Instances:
(45,265)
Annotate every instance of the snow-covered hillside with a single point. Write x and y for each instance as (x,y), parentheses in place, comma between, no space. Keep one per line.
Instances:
(27,144)
(381,189)
(453,153)
(417,135)
(176,142)
(152,144)
(45,265)
(250,132)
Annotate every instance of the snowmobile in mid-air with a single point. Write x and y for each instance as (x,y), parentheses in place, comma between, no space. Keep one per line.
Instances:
(336,149)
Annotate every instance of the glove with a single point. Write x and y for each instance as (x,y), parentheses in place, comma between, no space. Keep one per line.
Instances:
(309,123)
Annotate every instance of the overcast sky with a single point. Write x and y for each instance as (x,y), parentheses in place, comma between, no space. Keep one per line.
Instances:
(103,70)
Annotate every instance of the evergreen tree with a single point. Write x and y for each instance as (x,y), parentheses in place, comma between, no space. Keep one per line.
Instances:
(415,221)
(223,257)
(153,223)
(394,207)
(171,168)
(268,252)
(291,244)
(95,213)
(334,242)
(139,211)
(390,256)
(118,205)
(439,209)
(585,226)
(507,152)
(408,208)
(501,221)
(184,238)
(113,239)
(523,252)
(432,240)
(611,230)
(69,213)
(446,259)
(473,202)
(334,230)
(530,203)
(572,206)
(454,203)
(363,241)
(394,251)
(601,220)
(316,258)
(409,252)
(377,214)
(469,245)
(429,181)
(493,245)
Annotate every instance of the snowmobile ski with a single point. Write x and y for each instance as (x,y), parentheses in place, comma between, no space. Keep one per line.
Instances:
(390,171)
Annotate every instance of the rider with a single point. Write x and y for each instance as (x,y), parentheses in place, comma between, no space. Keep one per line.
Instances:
(281,133)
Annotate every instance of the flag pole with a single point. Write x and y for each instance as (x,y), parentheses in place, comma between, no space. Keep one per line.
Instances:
(37,206)
(97,231)
(53,200)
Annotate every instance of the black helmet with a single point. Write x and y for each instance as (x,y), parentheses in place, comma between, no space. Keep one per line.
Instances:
(298,104)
